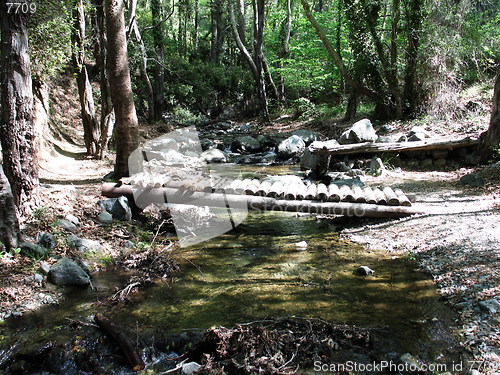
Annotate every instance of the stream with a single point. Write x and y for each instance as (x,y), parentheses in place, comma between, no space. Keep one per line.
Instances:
(254,272)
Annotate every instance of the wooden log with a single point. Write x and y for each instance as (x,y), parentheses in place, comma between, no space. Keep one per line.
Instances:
(403,199)
(116,332)
(369,147)
(233,186)
(359,195)
(266,203)
(369,195)
(380,196)
(346,194)
(391,197)
(252,187)
(334,193)
(241,187)
(222,185)
(322,192)
(301,191)
(276,190)
(291,191)
(311,191)
(264,188)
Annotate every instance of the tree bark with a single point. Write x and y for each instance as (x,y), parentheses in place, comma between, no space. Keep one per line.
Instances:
(9,224)
(215,29)
(126,129)
(490,141)
(107,121)
(17,131)
(91,128)
(158,70)
(285,49)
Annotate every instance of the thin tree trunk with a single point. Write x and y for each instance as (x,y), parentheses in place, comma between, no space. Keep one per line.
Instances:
(17,133)
(126,130)
(215,16)
(158,70)
(9,224)
(490,141)
(107,121)
(91,129)
(270,80)
(285,50)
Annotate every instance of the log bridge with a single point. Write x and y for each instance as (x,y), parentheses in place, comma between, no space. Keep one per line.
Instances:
(330,199)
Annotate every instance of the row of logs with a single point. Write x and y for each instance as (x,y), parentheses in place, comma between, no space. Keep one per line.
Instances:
(294,191)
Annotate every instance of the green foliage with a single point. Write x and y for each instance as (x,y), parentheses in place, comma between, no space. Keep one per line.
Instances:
(50,37)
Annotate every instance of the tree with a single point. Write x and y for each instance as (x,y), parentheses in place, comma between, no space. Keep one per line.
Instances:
(490,141)
(158,70)
(126,128)
(91,128)
(9,224)
(17,131)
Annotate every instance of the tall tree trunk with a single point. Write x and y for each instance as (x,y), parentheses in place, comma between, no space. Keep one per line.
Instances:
(215,29)
(158,70)
(17,133)
(107,121)
(285,49)
(9,224)
(91,128)
(414,25)
(490,141)
(126,129)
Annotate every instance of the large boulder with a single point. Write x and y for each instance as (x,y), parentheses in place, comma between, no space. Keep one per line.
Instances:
(82,244)
(361,131)
(308,136)
(246,145)
(66,272)
(309,159)
(291,147)
(119,208)
(33,250)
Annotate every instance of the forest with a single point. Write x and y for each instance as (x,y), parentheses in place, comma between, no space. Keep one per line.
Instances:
(243,187)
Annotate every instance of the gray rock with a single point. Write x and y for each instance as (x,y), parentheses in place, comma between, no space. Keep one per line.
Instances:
(491,306)
(384,139)
(47,240)
(376,166)
(163,143)
(365,271)
(214,155)
(410,362)
(117,207)
(341,167)
(31,249)
(38,278)
(246,145)
(206,143)
(416,137)
(308,136)
(426,163)
(309,159)
(440,163)
(190,368)
(419,130)
(82,244)
(361,131)
(245,128)
(66,272)
(67,225)
(105,218)
(72,219)
(387,128)
(291,147)
(266,141)
(129,245)
(44,268)
(472,179)
(403,138)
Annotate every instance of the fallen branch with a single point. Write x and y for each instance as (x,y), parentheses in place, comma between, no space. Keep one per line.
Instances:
(116,332)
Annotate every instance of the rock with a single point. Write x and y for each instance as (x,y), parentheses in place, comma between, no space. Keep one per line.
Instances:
(245,128)
(384,139)
(376,166)
(214,155)
(190,368)
(410,362)
(47,240)
(426,163)
(83,245)
(105,218)
(440,163)
(66,272)
(44,268)
(129,244)
(472,179)
(291,147)
(117,207)
(38,278)
(266,141)
(162,143)
(491,306)
(246,145)
(308,136)
(365,271)
(302,245)
(387,128)
(419,130)
(413,163)
(72,219)
(361,131)
(341,167)
(31,249)
(416,137)
(206,143)
(67,225)
(403,138)
(309,160)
